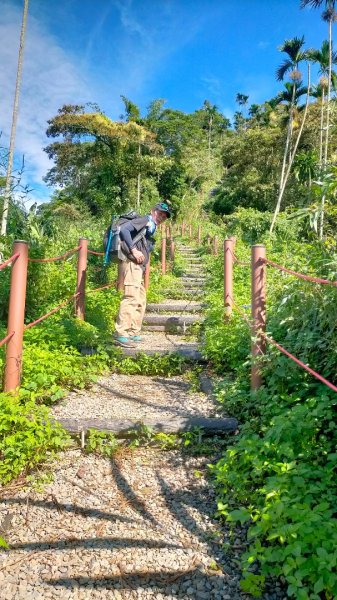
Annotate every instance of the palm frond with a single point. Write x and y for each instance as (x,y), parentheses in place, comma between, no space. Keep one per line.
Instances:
(292,47)
(312,3)
(282,69)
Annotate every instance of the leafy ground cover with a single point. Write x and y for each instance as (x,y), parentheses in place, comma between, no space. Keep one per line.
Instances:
(279,478)
(53,361)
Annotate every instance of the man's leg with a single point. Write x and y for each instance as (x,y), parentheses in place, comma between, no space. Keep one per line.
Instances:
(130,301)
(136,325)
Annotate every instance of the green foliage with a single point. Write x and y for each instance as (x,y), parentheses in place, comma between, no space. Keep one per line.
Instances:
(27,436)
(101,443)
(279,476)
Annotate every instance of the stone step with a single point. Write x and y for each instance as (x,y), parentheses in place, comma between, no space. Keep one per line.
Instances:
(174,330)
(190,282)
(174,307)
(171,321)
(189,354)
(175,424)
(196,292)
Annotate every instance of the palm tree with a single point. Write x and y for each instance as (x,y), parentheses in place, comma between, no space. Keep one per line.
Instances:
(330,16)
(292,151)
(295,54)
(211,111)
(322,58)
(4,219)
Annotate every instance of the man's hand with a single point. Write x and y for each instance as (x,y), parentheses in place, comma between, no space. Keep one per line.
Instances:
(139,256)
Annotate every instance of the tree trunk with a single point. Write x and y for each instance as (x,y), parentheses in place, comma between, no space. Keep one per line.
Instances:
(14,121)
(326,147)
(321,130)
(138,183)
(291,159)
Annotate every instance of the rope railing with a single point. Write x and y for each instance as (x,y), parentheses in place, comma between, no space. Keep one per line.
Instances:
(55,258)
(9,260)
(16,310)
(300,275)
(6,339)
(51,312)
(298,361)
(95,253)
(257,325)
(239,262)
(103,287)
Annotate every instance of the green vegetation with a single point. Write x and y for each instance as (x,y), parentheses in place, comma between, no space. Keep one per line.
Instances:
(270,177)
(279,476)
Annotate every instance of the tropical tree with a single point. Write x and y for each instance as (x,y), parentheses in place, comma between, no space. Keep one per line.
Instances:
(329,15)
(211,111)
(322,58)
(7,192)
(292,154)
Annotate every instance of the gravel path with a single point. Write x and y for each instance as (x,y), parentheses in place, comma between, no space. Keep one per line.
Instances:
(135,526)
(137,397)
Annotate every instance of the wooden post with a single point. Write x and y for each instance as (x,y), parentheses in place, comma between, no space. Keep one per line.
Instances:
(215,245)
(147,275)
(172,249)
(199,235)
(228,277)
(16,315)
(163,255)
(120,276)
(190,231)
(258,311)
(81,278)
(183,228)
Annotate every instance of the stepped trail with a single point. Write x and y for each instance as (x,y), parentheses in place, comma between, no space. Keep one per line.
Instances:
(140,524)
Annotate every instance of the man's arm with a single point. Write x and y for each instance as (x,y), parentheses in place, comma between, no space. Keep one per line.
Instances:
(125,235)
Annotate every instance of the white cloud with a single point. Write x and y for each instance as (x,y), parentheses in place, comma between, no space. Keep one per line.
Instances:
(49,79)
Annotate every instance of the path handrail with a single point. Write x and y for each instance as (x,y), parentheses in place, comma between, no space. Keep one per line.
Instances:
(55,258)
(9,260)
(301,275)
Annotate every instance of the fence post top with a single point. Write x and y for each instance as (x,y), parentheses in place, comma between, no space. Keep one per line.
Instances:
(20,242)
(258,246)
(83,238)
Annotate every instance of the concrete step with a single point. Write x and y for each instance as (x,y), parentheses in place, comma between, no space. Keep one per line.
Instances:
(175,307)
(194,292)
(171,320)
(189,354)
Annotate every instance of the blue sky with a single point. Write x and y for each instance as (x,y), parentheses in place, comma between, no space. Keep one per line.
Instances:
(185,51)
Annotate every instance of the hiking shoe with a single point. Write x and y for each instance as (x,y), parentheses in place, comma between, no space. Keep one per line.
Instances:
(135,338)
(124,342)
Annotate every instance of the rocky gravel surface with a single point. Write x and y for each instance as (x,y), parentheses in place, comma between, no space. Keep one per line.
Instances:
(138,525)
(137,397)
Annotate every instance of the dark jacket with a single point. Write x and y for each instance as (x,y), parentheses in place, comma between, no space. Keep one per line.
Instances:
(127,234)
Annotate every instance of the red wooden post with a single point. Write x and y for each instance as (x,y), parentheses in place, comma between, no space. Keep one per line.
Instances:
(172,249)
(120,277)
(163,255)
(147,275)
(81,278)
(199,234)
(215,245)
(228,277)
(16,315)
(258,311)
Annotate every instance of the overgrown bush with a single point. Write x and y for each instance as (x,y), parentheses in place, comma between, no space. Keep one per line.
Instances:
(279,476)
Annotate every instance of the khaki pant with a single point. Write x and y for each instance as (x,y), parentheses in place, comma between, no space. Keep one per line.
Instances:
(133,303)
